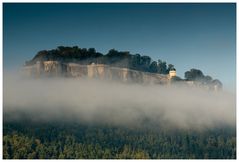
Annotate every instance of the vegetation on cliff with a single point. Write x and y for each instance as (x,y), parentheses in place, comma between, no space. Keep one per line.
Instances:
(123,59)
(198,77)
(115,58)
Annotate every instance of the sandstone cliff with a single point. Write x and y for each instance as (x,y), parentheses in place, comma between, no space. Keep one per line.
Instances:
(99,71)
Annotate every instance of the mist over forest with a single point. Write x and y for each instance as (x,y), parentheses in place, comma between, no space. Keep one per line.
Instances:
(119,81)
(116,103)
(66,118)
(82,118)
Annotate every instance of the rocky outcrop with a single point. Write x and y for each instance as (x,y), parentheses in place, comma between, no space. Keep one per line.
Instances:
(105,72)
(99,71)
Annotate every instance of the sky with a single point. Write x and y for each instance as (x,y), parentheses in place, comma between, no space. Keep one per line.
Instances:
(201,36)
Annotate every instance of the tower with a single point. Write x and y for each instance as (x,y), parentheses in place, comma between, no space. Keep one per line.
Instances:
(172,73)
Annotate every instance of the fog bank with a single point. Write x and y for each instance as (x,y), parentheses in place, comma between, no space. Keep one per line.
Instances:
(94,101)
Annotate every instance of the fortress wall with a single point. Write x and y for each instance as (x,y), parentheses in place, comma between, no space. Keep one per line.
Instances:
(161,79)
(75,70)
(125,74)
(52,68)
(147,78)
(101,71)
(90,71)
(122,74)
(137,76)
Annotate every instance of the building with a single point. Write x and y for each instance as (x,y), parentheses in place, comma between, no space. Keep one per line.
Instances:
(172,73)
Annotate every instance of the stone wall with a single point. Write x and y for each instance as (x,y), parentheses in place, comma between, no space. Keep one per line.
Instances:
(100,71)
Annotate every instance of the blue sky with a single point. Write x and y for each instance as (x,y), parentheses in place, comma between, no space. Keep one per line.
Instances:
(188,36)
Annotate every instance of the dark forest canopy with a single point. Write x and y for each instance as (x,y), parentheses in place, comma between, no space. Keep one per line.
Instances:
(116,58)
(29,140)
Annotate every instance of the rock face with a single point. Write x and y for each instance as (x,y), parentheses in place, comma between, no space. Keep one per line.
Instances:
(105,72)
(100,71)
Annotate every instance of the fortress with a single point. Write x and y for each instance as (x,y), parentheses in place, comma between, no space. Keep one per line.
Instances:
(106,72)
(100,71)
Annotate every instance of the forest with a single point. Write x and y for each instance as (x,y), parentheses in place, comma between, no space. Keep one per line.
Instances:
(59,140)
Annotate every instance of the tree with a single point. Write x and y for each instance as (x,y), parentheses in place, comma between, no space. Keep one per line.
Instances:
(217,84)
(197,75)
(208,79)
(92,50)
(194,74)
(164,68)
(170,67)
(153,67)
(136,61)
(112,52)
(145,62)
